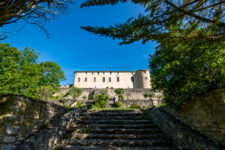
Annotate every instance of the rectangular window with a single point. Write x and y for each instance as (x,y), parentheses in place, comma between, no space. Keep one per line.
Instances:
(94,79)
(146,78)
(109,79)
(85,79)
(78,79)
(118,79)
(103,79)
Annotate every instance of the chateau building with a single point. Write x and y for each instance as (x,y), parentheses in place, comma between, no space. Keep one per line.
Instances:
(115,79)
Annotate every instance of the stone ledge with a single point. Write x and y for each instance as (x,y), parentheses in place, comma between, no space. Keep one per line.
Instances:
(183,136)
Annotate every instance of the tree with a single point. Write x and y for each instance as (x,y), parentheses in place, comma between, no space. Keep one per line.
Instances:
(161,15)
(184,69)
(75,92)
(35,12)
(20,72)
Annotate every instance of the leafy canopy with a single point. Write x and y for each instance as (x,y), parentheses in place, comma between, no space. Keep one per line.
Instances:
(161,15)
(21,73)
(184,69)
(36,12)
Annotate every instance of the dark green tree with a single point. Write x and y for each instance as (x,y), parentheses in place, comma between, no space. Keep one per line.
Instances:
(184,69)
(160,15)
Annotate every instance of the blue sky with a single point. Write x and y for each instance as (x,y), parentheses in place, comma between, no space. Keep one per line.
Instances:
(75,49)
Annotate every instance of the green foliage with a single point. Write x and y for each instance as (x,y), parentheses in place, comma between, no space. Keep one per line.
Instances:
(119,104)
(184,69)
(161,16)
(95,106)
(102,100)
(75,92)
(84,97)
(20,73)
(121,97)
(119,91)
(149,94)
(134,106)
(79,104)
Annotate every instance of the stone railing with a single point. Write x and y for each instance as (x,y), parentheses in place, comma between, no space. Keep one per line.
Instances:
(183,136)
(23,118)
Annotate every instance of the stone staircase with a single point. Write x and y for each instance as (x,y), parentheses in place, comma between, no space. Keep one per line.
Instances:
(114,129)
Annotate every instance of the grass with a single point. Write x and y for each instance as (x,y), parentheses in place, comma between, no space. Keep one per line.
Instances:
(120,108)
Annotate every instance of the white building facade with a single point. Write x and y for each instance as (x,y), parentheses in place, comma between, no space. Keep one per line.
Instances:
(115,79)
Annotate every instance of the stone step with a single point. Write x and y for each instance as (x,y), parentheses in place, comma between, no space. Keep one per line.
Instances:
(118,136)
(118,131)
(78,147)
(112,111)
(106,126)
(114,117)
(118,142)
(109,114)
(111,121)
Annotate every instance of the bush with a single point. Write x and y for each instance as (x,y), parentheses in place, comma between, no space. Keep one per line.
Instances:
(121,97)
(119,104)
(135,106)
(149,94)
(102,100)
(79,104)
(119,91)
(95,106)
(84,97)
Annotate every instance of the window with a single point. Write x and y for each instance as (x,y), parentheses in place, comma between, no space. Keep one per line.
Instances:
(132,79)
(110,72)
(85,79)
(103,79)
(86,72)
(92,73)
(118,79)
(98,72)
(103,72)
(78,79)
(146,78)
(109,79)
(117,72)
(94,79)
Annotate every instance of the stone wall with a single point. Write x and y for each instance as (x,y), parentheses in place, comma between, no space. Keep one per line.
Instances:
(130,96)
(183,136)
(21,118)
(206,114)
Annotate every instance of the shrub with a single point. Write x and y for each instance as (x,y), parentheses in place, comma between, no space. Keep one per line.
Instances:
(149,94)
(119,91)
(102,100)
(84,97)
(134,105)
(95,106)
(119,104)
(121,97)
(79,104)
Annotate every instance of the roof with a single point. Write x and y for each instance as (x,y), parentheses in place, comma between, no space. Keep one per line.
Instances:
(110,71)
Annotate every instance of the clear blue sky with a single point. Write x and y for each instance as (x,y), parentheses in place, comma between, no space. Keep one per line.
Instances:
(75,49)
